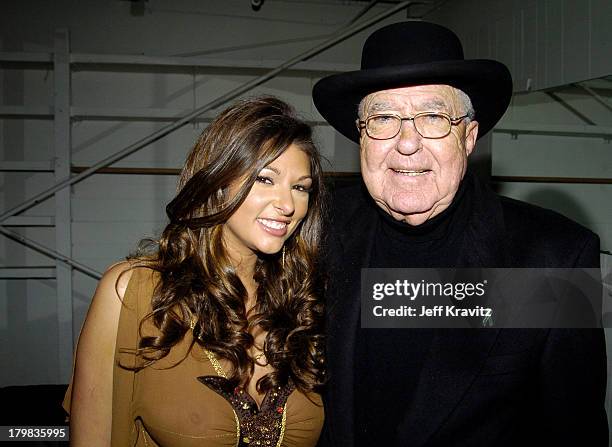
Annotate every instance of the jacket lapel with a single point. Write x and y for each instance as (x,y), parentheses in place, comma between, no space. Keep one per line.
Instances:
(486,239)
(350,251)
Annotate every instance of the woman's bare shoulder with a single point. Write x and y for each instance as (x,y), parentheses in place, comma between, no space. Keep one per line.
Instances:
(118,276)
(105,307)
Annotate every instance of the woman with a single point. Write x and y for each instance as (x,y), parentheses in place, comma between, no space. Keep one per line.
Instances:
(214,337)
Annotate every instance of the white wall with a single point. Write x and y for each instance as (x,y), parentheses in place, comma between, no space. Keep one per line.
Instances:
(545,43)
(112,212)
(558,156)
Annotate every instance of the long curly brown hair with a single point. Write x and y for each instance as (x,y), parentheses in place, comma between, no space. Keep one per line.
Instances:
(197,281)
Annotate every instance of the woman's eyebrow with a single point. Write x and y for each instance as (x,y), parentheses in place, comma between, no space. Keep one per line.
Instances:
(277,172)
(273,169)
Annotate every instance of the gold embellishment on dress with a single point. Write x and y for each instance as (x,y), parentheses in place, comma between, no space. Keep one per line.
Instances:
(144,435)
(219,370)
(262,425)
(215,363)
(283,425)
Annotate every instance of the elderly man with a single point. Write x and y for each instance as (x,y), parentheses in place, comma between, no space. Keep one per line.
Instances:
(416,108)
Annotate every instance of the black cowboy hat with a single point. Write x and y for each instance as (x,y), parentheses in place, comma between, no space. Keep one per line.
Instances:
(414,53)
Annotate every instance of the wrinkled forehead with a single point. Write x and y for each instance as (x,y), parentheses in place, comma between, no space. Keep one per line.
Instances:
(421,98)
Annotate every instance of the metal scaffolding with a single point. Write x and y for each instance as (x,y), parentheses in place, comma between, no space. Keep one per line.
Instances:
(62,254)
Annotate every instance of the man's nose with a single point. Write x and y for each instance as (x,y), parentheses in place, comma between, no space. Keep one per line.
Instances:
(409,140)
(284,201)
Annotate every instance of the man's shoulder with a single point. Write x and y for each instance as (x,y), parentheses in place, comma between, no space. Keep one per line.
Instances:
(519,215)
(535,229)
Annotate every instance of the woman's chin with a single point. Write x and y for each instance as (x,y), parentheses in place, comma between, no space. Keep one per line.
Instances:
(270,250)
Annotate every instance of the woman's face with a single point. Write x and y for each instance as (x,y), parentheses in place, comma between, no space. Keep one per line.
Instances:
(274,207)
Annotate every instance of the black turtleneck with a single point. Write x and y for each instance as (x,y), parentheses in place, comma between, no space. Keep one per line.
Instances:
(395,356)
(434,243)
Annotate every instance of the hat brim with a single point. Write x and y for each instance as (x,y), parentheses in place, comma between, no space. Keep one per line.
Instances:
(488,84)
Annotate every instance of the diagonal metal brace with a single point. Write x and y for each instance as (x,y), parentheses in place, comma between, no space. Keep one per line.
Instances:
(596,96)
(50,252)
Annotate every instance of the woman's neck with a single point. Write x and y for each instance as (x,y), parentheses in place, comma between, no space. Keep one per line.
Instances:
(245,269)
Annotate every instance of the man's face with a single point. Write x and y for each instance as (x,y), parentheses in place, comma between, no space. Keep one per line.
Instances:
(410,177)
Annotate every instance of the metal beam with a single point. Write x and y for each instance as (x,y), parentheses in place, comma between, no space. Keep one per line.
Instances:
(131,170)
(182,64)
(596,96)
(29,272)
(363,12)
(34,112)
(251,46)
(342,35)
(26,166)
(30,221)
(27,57)
(563,180)
(85,60)
(576,130)
(572,109)
(49,252)
(128,170)
(63,220)
(150,114)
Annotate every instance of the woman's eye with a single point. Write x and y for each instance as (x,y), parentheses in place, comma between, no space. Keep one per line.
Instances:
(263,179)
(303,188)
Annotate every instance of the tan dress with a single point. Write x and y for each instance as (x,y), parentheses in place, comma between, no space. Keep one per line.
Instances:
(166,405)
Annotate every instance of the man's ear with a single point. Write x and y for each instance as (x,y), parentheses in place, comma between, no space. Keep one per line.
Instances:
(471,133)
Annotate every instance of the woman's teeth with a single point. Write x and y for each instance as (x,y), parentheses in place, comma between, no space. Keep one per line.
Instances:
(273,224)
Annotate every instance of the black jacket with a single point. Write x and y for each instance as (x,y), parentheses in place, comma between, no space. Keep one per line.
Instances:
(478,387)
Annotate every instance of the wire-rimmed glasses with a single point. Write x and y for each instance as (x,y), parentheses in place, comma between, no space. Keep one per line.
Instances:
(384,126)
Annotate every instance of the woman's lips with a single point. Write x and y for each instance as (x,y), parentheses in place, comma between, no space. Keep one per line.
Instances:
(274,227)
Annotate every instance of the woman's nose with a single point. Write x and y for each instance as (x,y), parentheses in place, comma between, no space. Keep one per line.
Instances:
(284,202)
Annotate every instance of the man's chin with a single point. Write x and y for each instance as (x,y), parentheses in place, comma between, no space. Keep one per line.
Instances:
(411,214)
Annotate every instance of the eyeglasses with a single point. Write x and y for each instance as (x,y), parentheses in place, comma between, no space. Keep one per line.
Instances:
(384,126)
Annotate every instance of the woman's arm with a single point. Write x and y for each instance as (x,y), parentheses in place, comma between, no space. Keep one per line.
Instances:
(92,386)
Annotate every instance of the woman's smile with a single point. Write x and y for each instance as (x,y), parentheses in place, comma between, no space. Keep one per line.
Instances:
(273,226)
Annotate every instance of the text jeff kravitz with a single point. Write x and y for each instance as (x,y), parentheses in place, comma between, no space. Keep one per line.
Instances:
(434,311)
